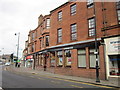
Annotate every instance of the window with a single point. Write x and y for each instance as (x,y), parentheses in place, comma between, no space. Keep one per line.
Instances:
(52,59)
(29,39)
(44,24)
(92,58)
(48,23)
(59,35)
(118,11)
(32,47)
(42,42)
(60,59)
(32,36)
(91,26)
(73,32)
(114,65)
(89,3)
(68,59)
(81,58)
(73,9)
(60,16)
(47,40)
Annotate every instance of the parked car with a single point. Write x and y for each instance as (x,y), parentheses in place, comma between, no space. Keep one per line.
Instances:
(7,64)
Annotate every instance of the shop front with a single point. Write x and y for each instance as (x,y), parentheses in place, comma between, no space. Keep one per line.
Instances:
(29,61)
(112,50)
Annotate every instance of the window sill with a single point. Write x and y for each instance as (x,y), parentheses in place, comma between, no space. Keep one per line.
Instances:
(68,66)
(89,37)
(59,66)
(73,40)
(58,43)
(82,67)
(93,67)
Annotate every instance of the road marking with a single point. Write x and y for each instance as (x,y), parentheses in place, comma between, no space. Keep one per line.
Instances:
(55,82)
(70,81)
(76,86)
(76,81)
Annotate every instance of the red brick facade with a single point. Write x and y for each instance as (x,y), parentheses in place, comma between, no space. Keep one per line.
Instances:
(46,53)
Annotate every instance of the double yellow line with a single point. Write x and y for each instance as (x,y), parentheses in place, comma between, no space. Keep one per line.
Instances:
(75,82)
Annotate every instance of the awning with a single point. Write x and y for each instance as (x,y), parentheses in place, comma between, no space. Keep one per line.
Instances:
(29,57)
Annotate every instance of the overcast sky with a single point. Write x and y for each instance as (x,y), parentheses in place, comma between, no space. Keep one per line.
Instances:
(21,16)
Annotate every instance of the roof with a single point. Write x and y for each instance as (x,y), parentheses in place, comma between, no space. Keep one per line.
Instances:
(59,7)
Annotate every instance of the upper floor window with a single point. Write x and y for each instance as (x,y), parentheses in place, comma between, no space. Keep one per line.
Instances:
(33,36)
(60,16)
(44,24)
(26,44)
(118,11)
(47,40)
(42,42)
(29,39)
(33,47)
(91,26)
(59,35)
(48,23)
(89,3)
(74,32)
(73,9)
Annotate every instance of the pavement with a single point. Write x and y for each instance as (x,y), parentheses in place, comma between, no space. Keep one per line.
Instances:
(22,69)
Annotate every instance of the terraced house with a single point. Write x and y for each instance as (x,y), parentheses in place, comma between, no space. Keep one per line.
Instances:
(64,41)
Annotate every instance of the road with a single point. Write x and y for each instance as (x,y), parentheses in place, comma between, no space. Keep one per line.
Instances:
(22,80)
(0,76)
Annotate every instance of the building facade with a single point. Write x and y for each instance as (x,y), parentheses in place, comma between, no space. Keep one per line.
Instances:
(64,41)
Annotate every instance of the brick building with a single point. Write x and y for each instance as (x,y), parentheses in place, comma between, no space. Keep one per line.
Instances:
(64,41)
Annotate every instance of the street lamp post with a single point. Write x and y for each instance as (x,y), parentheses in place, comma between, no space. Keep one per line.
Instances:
(18,44)
(96,48)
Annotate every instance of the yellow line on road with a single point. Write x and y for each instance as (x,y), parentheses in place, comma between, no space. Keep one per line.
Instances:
(76,86)
(76,81)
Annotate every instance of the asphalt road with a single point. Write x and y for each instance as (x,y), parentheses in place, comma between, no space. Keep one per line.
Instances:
(0,75)
(21,80)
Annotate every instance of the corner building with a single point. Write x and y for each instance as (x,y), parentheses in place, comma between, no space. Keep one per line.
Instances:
(64,41)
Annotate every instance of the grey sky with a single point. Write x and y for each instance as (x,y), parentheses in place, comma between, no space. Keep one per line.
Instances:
(21,16)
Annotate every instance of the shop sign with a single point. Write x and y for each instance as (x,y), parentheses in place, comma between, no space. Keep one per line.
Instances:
(29,57)
(113,45)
